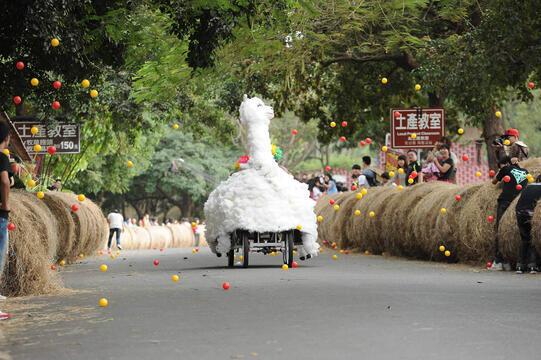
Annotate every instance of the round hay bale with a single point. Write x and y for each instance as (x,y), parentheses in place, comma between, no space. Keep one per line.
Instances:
(65,226)
(508,234)
(160,236)
(27,266)
(141,238)
(536,227)
(323,208)
(126,238)
(183,235)
(202,240)
(101,230)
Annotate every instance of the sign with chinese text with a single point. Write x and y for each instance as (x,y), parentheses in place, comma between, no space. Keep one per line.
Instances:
(416,128)
(65,137)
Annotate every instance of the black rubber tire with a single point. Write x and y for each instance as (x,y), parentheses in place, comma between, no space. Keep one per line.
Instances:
(231,253)
(288,247)
(245,249)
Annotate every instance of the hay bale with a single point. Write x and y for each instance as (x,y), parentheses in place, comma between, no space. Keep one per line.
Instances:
(160,236)
(202,240)
(324,209)
(101,235)
(65,226)
(182,235)
(536,227)
(126,238)
(141,237)
(27,270)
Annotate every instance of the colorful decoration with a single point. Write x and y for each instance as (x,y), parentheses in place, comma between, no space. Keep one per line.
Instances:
(34,82)
(85,83)
(55,42)
(20,65)
(460,131)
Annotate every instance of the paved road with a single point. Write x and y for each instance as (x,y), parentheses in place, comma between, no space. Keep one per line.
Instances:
(356,307)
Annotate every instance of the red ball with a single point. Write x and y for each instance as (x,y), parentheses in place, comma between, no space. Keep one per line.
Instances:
(74,207)
(396,114)
(56,105)
(161,249)
(331,202)
(294,132)
(154,248)
(20,65)
(324,242)
(294,264)
(363,143)
(465,157)
(458,198)
(196,249)
(346,252)
(57,84)
(17,99)
(11,226)
(333,246)
(531,85)
(368,140)
(51,150)
(109,252)
(506,178)
(342,138)
(344,123)
(414,174)
(225,285)
(491,218)
(53,267)
(156,262)
(353,188)
(519,187)
(489,264)
(491,173)
(327,168)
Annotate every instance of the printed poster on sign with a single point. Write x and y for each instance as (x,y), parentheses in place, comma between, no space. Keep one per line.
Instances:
(65,137)
(416,128)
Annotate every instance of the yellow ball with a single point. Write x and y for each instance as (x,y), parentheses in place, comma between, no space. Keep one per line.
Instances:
(299,227)
(62,263)
(129,163)
(94,93)
(367,252)
(442,248)
(335,257)
(414,136)
(241,257)
(384,148)
(34,82)
(37,148)
(341,251)
(400,188)
(359,196)
(410,181)
(272,253)
(320,218)
(478,174)
(529,176)
(530,180)
(498,114)
(417,87)
(55,42)
(294,252)
(175,278)
(372,214)
(364,191)
(333,124)
(357,212)
(320,249)
(384,80)
(460,131)
(40,195)
(103,268)
(112,256)
(285,267)
(391,174)
(400,171)
(103,302)
(193,250)
(506,142)
(81,256)
(447,253)
(118,252)
(31,183)
(81,197)
(85,83)
(6,151)
(175,126)
(443,210)
(336,207)
(34,130)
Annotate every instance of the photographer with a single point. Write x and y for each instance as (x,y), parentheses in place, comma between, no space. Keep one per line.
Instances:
(516,149)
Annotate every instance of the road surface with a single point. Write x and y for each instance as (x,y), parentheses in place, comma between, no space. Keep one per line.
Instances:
(356,307)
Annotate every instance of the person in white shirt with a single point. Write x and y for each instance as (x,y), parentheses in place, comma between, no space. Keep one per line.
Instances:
(115,220)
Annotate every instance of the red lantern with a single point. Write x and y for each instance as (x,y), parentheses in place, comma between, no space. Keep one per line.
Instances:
(57,84)
(458,198)
(491,218)
(156,262)
(11,226)
(20,65)
(327,168)
(56,105)
(491,173)
(342,138)
(344,123)
(368,140)
(51,150)
(74,207)
(363,143)
(17,99)
(465,157)
(519,187)
(506,178)
(331,202)
(294,132)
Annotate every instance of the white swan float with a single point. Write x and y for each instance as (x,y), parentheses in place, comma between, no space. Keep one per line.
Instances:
(262,197)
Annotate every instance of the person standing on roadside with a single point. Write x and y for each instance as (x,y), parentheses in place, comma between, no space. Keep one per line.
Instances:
(6,181)
(115,220)
(414,166)
(516,150)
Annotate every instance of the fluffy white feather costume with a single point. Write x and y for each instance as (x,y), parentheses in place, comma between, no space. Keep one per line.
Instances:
(262,197)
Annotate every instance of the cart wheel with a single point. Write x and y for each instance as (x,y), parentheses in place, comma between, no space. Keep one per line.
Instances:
(245,248)
(231,253)
(287,238)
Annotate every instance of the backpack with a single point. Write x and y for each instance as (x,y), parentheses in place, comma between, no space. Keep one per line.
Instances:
(371,177)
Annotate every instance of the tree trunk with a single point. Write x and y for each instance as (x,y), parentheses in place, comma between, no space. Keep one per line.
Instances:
(492,128)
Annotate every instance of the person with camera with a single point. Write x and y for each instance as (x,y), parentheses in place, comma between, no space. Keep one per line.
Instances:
(516,150)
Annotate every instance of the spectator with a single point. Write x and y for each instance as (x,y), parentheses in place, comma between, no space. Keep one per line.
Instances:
(515,175)
(55,186)
(445,165)
(355,173)
(401,175)
(195,231)
(6,181)
(315,188)
(154,222)
(516,150)
(115,220)
(386,179)
(414,165)
(330,185)
(368,178)
(436,150)
(524,211)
